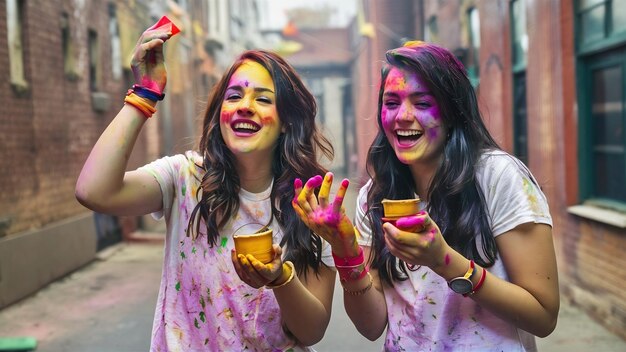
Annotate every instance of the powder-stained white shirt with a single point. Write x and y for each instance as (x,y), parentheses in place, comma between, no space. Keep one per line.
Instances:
(202,303)
(423,313)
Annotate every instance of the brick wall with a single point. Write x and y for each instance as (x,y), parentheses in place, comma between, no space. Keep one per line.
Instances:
(48,132)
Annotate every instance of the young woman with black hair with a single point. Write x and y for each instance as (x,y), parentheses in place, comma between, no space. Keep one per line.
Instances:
(475,269)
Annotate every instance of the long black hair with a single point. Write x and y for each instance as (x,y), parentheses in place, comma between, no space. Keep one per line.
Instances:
(456,202)
(296,156)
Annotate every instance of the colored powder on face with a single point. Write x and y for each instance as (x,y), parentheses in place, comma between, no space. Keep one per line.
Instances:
(268,120)
(225,116)
(246,83)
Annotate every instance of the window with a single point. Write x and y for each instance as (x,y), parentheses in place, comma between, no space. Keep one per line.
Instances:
(604,122)
(69,61)
(116,46)
(601,39)
(93,50)
(431,34)
(473,62)
(600,23)
(15,18)
(316,85)
(519,40)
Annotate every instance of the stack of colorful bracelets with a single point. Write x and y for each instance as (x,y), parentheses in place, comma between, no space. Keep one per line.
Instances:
(143,99)
(352,269)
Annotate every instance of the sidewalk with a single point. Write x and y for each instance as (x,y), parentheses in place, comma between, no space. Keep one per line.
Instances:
(109,305)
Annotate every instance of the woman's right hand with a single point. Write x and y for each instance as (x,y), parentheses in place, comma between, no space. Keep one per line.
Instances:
(327,219)
(148,63)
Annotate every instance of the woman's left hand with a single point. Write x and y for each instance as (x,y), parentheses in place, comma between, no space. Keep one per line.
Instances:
(416,240)
(256,273)
(327,219)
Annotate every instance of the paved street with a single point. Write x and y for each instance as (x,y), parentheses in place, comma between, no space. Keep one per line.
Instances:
(109,305)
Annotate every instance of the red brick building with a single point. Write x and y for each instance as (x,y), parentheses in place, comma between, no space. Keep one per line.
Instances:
(64,70)
(551,78)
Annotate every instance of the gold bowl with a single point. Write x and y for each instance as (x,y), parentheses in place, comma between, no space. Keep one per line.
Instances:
(259,244)
(395,209)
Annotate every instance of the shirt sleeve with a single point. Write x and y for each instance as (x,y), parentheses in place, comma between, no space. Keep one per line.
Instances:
(361,221)
(165,171)
(327,256)
(512,194)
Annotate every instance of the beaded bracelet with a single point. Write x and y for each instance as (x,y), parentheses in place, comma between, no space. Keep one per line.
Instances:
(479,284)
(140,104)
(287,266)
(363,290)
(147,93)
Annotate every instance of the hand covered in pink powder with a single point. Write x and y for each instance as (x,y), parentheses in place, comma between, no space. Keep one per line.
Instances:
(417,240)
(148,63)
(254,272)
(325,218)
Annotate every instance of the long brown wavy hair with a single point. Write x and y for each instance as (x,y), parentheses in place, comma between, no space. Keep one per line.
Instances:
(295,156)
(456,202)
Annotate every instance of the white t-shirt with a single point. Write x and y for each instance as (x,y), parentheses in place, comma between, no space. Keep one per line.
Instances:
(423,313)
(202,303)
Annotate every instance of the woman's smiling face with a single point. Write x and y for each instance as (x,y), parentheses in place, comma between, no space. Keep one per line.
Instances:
(249,120)
(411,118)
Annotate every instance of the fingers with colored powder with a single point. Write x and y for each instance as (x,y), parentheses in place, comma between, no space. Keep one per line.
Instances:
(341,194)
(325,189)
(306,198)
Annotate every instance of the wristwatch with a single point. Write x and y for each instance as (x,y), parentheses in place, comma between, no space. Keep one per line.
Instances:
(463,284)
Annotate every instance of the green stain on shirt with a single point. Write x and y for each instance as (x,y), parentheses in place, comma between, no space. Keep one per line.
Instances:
(184,189)
(178,286)
(202,317)
(224,241)
(195,323)
(182,255)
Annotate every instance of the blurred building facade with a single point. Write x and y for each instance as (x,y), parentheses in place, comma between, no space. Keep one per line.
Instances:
(551,80)
(322,57)
(64,70)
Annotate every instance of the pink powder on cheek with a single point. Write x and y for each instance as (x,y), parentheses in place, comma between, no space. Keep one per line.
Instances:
(387,122)
(225,116)
(432,133)
(268,120)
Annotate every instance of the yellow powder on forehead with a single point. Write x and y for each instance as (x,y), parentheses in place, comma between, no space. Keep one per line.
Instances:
(413,43)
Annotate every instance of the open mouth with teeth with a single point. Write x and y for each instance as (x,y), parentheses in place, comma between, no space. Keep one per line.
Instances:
(408,137)
(245,127)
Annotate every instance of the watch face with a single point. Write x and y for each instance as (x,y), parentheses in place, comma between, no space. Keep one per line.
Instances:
(460,285)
